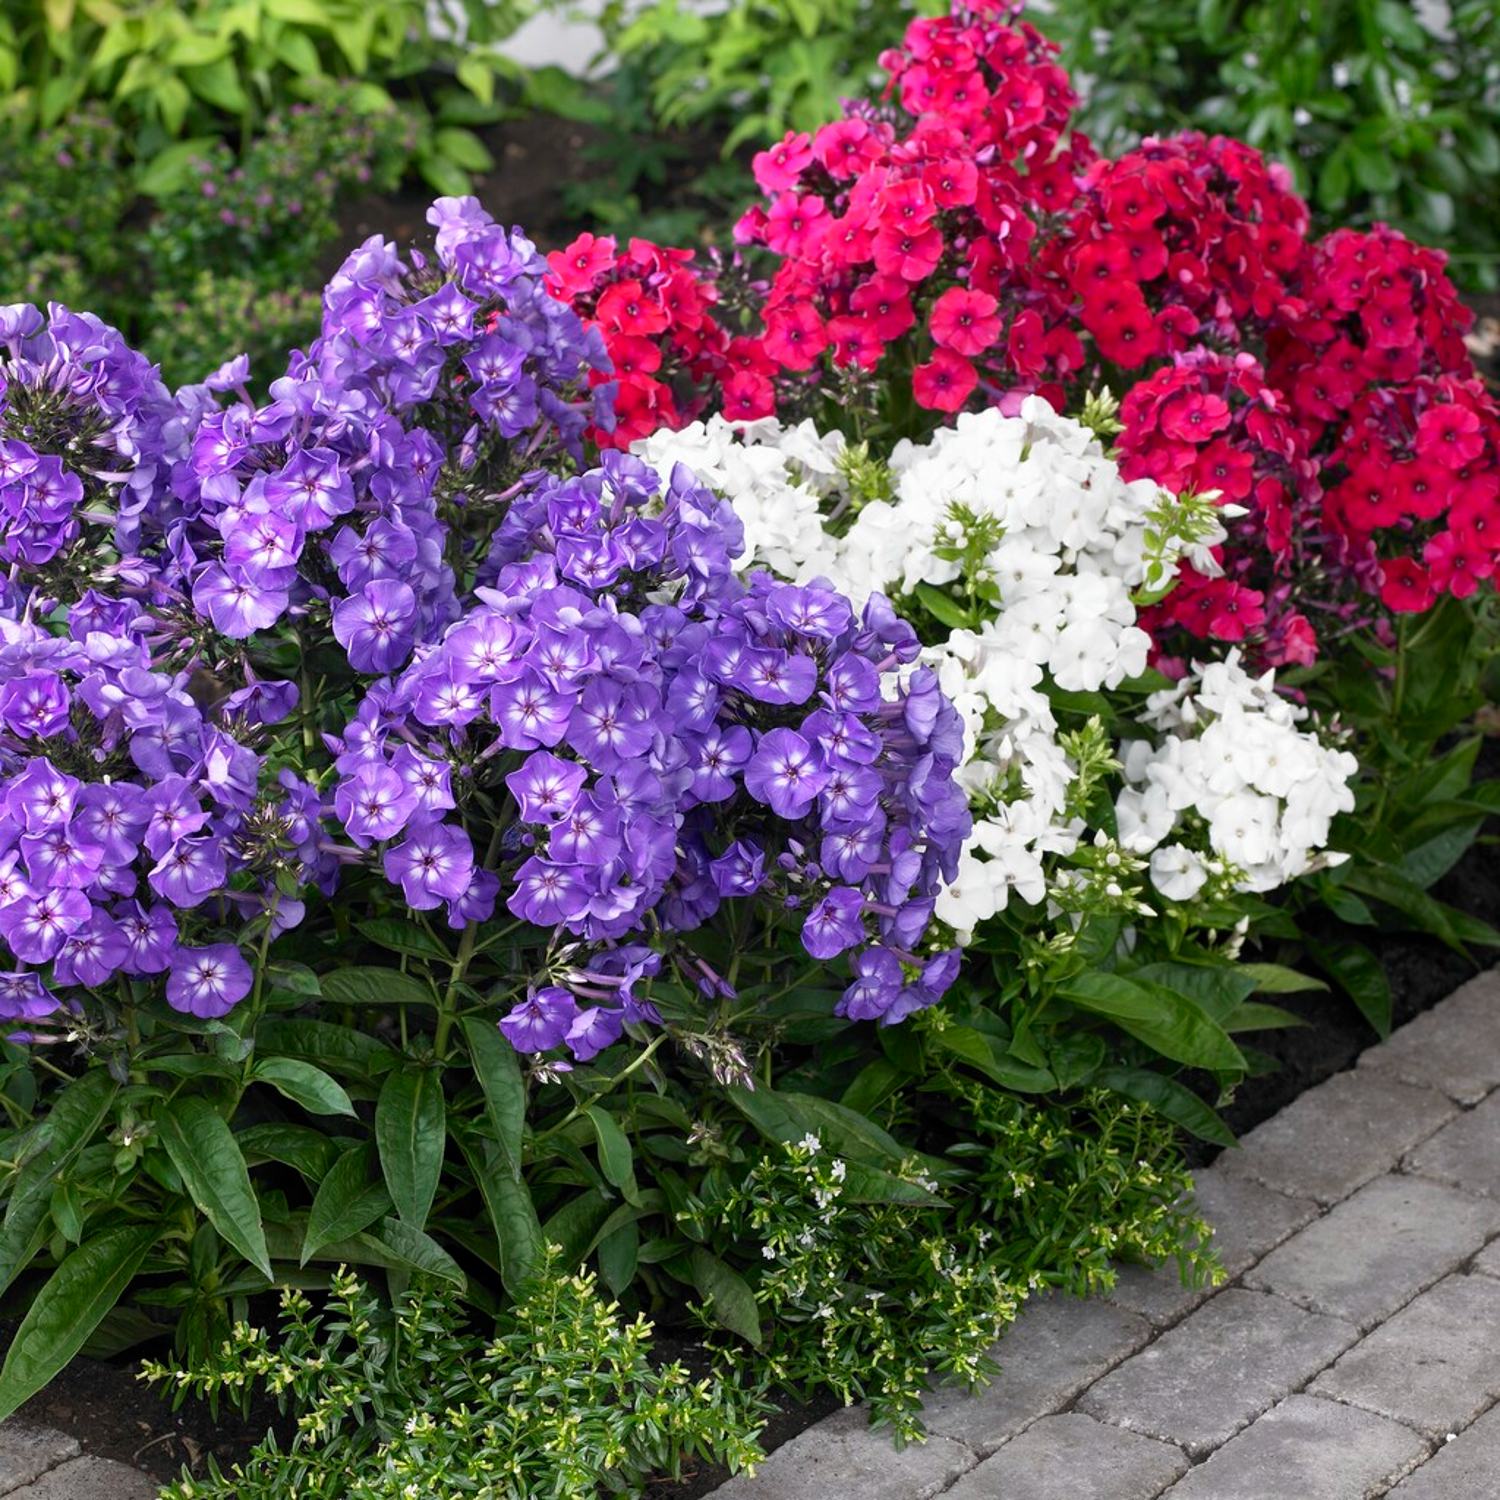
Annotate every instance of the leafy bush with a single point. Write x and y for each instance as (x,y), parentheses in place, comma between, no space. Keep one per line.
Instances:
(221,67)
(404,1399)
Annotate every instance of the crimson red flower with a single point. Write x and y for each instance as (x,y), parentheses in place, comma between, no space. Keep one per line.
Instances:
(945,382)
(1406,586)
(964,321)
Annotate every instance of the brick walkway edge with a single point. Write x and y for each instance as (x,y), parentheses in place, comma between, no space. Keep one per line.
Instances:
(1354,1352)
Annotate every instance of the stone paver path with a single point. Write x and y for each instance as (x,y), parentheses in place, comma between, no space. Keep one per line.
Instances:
(1354,1352)
(37,1463)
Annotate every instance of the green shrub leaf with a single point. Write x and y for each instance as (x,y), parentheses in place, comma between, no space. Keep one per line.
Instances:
(411,1131)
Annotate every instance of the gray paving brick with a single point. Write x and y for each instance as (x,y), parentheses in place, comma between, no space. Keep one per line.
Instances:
(1488,1260)
(1216,1371)
(1055,1348)
(1338,1136)
(1454,1047)
(1072,1457)
(1465,1152)
(27,1451)
(843,1455)
(1468,1468)
(1307,1449)
(1434,1366)
(91,1479)
(1157,1293)
(1371,1255)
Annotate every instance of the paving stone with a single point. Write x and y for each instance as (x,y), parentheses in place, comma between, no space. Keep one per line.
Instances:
(91,1479)
(1465,1152)
(1488,1259)
(1338,1136)
(1203,1380)
(1468,1468)
(1072,1457)
(843,1455)
(1371,1255)
(1055,1348)
(27,1451)
(1157,1294)
(1308,1449)
(1433,1366)
(1454,1047)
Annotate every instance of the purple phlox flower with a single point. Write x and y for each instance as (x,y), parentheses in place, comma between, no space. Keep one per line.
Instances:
(835,923)
(530,712)
(432,864)
(852,685)
(449,314)
(208,982)
(786,773)
(817,610)
(35,705)
(386,549)
(93,955)
(429,781)
(261,542)
(851,851)
(312,490)
(61,857)
(237,604)
(593,1030)
(36,925)
(546,893)
(23,996)
(770,675)
(740,870)
(190,872)
(262,702)
(375,804)
(445,699)
(587,834)
(477,904)
(852,794)
(541,1021)
(878,980)
(375,626)
(150,937)
(41,797)
(545,787)
(173,812)
(612,722)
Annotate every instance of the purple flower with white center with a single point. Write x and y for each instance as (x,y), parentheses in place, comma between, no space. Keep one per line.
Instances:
(530,712)
(611,723)
(878,981)
(445,698)
(61,857)
(541,1020)
(173,812)
(376,805)
(237,604)
(786,773)
(587,834)
(36,925)
(773,676)
(263,544)
(432,865)
(722,755)
(852,851)
(429,781)
(150,935)
(93,955)
(835,924)
(23,996)
(740,870)
(377,625)
(208,982)
(592,1031)
(547,894)
(35,705)
(41,797)
(312,489)
(545,787)
(190,872)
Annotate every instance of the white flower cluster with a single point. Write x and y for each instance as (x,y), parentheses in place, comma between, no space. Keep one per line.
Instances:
(781,480)
(1233,757)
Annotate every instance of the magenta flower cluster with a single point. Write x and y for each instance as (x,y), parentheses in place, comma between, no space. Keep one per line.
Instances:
(646,738)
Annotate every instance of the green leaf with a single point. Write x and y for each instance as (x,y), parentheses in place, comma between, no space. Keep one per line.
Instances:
(419,1251)
(339,1049)
(401,936)
(1162,1018)
(499,1073)
(619,1254)
(518,1235)
(573,1227)
(365,986)
(350,1198)
(446,177)
(171,167)
(299,1147)
(1429,861)
(727,1295)
(991,1057)
(69,1307)
(867,1184)
(1277,979)
(1170,1098)
(944,609)
(616,1160)
(477,76)
(204,1151)
(303,1084)
(463,148)
(411,1131)
(1360,975)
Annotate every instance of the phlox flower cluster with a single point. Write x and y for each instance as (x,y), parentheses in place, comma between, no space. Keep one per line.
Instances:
(1233,792)
(433,388)
(644,738)
(131,814)
(88,435)
(926,217)
(669,355)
